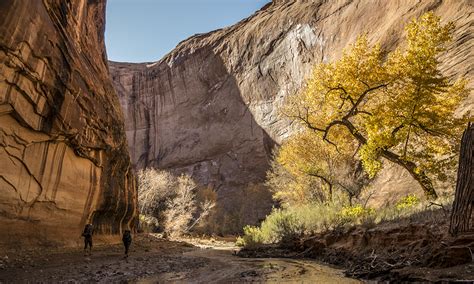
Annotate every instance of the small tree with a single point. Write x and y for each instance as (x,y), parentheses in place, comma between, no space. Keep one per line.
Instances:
(397,105)
(168,202)
(155,188)
(181,207)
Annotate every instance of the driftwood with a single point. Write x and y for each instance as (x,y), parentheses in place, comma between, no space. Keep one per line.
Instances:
(464,198)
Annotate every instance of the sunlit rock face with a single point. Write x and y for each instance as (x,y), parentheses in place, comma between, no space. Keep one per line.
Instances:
(210,107)
(63,154)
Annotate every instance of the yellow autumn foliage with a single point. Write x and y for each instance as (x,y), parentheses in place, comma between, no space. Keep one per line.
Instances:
(396,105)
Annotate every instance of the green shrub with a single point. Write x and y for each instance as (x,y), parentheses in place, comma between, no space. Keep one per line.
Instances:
(252,237)
(285,224)
(316,217)
(281,226)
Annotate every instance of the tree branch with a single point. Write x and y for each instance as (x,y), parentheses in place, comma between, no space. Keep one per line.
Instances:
(325,180)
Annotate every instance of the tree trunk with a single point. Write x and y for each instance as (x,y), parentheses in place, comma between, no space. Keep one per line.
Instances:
(420,176)
(464,198)
(326,181)
(423,180)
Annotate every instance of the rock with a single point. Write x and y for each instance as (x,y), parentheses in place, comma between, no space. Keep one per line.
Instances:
(63,152)
(210,107)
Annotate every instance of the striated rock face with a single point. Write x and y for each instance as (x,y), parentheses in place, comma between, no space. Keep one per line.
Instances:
(210,107)
(63,154)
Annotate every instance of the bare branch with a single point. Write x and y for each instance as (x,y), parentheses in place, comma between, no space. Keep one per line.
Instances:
(352,111)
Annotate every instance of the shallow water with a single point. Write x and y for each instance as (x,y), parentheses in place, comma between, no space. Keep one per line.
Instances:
(225,267)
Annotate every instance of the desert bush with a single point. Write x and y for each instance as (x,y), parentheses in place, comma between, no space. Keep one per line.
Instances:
(252,237)
(207,200)
(168,203)
(181,207)
(148,223)
(281,226)
(284,224)
(155,188)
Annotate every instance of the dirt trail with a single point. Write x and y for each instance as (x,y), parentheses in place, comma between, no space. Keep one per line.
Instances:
(154,260)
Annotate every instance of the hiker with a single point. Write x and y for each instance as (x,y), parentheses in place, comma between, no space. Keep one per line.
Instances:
(127,240)
(87,234)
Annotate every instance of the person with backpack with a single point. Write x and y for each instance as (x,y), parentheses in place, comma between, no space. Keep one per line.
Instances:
(127,240)
(87,234)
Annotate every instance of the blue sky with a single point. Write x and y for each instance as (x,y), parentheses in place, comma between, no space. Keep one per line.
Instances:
(145,30)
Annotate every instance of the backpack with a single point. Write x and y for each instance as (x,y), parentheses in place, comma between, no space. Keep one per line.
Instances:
(127,237)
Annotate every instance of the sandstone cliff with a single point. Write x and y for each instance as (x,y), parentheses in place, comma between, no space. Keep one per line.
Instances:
(210,107)
(63,152)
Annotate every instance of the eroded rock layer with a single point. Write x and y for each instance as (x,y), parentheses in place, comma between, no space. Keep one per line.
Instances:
(63,154)
(210,107)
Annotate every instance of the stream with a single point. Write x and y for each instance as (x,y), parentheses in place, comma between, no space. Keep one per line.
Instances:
(156,260)
(223,266)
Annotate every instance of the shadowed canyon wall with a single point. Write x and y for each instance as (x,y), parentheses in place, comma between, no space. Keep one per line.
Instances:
(63,152)
(194,120)
(182,112)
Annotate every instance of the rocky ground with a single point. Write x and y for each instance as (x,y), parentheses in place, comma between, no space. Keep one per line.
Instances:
(411,249)
(155,260)
(149,256)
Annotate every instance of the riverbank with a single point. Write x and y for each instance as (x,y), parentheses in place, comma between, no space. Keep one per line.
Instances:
(418,248)
(411,249)
(155,260)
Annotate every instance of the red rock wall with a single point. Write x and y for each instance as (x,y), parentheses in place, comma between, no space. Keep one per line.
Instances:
(63,153)
(210,107)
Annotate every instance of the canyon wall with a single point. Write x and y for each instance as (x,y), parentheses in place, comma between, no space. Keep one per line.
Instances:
(210,107)
(63,152)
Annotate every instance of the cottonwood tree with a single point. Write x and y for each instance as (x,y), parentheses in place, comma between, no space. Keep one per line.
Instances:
(461,216)
(395,105)
(289,189)
(305,169)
